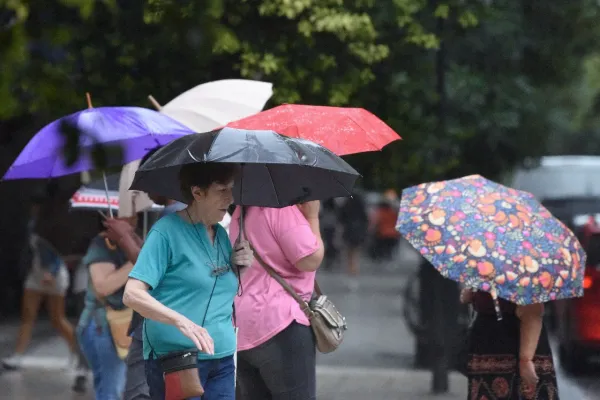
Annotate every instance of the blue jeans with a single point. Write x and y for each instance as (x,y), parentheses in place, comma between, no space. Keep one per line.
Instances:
(217,378)
(108,369)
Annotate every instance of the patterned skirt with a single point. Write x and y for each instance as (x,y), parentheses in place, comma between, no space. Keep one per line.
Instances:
(493,370)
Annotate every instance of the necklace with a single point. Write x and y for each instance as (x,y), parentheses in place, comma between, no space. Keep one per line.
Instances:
(216,271)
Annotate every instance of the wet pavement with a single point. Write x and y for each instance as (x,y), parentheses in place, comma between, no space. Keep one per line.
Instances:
(374,362)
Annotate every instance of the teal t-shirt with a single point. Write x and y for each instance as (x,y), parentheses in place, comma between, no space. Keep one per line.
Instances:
(177,262)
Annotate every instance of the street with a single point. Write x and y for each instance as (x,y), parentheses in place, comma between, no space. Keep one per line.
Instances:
(373,362)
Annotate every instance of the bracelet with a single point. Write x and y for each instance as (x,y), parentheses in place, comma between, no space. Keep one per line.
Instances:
(524,360)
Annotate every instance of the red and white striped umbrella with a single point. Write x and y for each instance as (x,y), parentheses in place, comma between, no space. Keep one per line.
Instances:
(93,196)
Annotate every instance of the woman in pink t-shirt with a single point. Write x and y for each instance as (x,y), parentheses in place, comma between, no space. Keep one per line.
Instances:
(276,346)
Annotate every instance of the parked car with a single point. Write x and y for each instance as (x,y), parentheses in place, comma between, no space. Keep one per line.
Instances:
(575,213)
(577,321)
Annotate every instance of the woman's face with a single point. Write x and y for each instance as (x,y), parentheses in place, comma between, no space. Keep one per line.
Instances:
(214,201)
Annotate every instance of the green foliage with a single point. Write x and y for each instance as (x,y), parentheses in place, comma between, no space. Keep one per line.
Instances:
(506,77)
(519,74)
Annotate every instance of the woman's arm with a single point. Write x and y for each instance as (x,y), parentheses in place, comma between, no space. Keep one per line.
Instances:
(313,261)
(136,296)
(107,279)
(138,240)
(131,246)
(531,328)
(121,233)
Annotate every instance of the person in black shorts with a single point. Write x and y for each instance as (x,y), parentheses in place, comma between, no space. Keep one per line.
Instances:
(355,223)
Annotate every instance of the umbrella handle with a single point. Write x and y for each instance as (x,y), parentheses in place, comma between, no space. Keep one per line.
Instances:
(109,244)
(155,103)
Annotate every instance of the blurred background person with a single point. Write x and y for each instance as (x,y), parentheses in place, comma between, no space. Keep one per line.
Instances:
(47,281)
(108,271)
(329,230)
(355,225)
(78,290)
(383,225)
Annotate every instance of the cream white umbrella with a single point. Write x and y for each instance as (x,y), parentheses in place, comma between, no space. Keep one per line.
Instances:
(202,108)
(211,105)
(131,201)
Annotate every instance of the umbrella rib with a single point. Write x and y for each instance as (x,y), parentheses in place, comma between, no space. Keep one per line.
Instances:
(191,155)
(215,137)
(273,183)
(340,183)
(370,139)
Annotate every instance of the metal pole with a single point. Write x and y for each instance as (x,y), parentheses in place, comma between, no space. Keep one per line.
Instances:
(439,331)
(145,225)
(423,342)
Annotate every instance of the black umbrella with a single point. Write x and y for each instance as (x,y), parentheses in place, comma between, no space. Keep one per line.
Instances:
(276,171)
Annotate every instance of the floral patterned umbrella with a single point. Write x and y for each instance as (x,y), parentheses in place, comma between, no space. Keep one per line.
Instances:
(493,238)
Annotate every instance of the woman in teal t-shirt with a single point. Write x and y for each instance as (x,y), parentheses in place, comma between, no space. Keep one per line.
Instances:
(183,283)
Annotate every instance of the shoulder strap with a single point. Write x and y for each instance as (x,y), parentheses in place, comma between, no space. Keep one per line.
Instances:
(303,304)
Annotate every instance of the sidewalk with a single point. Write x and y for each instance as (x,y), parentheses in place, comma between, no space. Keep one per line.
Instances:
(355,383)
(9,331)
(333,384)
(375,360)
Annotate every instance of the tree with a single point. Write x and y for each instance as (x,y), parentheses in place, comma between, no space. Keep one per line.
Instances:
(121,51)
(506,70)
(578,113)
(503,72)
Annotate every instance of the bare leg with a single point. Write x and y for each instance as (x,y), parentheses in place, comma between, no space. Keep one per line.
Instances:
(29,313)
(56,308)
(353,261)
(352,265)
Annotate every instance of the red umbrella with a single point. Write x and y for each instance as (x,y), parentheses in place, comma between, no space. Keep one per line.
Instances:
(341,130)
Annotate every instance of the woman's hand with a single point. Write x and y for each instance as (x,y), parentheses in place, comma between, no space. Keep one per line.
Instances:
(116,229)
(529,377)
(310,209)
(466,296)
(197,334)
(242,254)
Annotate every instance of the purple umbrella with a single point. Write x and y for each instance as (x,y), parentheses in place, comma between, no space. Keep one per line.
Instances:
(136,130)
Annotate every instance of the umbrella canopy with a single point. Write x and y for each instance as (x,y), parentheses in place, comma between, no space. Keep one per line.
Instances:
(341,130)
(93,197)
(132,201)
(136,130)
(493,238)
(214,104)
(276,171)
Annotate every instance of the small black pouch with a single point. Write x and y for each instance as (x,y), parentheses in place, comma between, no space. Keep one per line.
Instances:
(182,380)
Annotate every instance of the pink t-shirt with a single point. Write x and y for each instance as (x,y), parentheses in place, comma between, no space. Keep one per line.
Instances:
(282,237)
